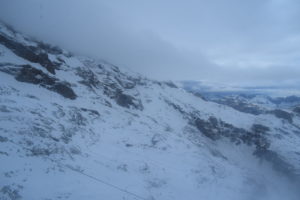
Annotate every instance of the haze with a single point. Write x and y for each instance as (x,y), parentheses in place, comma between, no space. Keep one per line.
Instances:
(228,41)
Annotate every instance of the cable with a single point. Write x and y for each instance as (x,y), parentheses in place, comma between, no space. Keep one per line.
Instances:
(106,183)
(91,177)
(100,180)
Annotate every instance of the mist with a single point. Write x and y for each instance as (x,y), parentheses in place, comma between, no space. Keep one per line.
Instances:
(224,41)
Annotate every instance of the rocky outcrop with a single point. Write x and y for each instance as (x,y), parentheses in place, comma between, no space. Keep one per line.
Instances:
(29,74)
(297,109)
(240,105)
(30,53)
(282,114)
(127,101)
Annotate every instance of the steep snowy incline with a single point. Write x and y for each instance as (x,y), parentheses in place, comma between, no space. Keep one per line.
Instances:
(72,127)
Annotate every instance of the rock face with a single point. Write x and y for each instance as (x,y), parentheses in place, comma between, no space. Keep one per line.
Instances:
(283,115)
(127,101)
(297,109)
(73,127)
(30,53)
(29,74)
(242,105)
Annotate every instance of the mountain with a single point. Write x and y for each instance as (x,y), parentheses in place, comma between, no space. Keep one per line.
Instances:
(253,100)
(73,127)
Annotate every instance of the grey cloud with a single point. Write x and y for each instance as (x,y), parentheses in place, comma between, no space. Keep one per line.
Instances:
(220,40)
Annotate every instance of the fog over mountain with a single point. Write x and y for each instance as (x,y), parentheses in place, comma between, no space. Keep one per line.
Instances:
(227,41)
(149,100)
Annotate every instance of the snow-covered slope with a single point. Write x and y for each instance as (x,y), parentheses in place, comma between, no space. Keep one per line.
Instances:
(72,127)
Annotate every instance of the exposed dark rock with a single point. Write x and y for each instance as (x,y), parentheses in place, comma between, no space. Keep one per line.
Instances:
(124,100)
(208,128)
(258,128)
(129,145)
(240,105)
(89,79)
(283,115)
(10,193)
(156,138)
(110,89)
(67,134)
(9,68)
(123,167)
(175,106)
(3,108)
(128,101)
(113,86)
(197,94)
(37,151)
(30,53)
(28,74)
(4,153)
(129,84)
(91,112)
(77,118)
(64,89)
(216,153)
(297,109)
(75,150)
(215,129)
(170,84)
(107,103)
(3,139)
(113,91)
(285,100)
(115,68)
(157,82)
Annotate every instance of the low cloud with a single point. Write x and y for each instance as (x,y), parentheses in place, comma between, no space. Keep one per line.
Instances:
(227,41)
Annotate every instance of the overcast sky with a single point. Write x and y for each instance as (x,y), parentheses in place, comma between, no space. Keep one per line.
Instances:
(232,41)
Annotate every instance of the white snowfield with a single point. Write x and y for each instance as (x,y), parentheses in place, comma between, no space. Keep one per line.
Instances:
(120,136)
